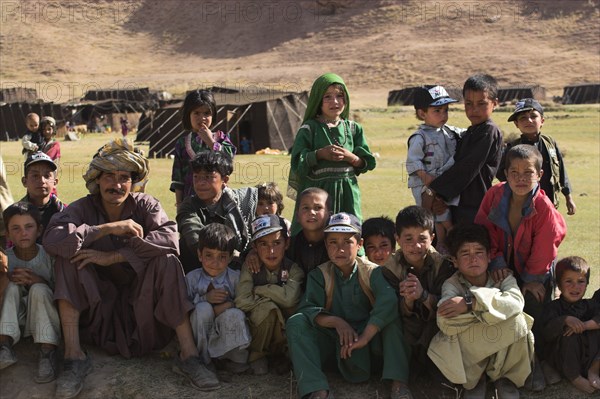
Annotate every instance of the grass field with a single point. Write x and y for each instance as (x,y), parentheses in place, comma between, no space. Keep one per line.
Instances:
(384,191)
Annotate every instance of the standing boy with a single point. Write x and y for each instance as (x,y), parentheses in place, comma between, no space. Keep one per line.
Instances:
(219,328)
(417,271)
(483,329)
(477,153)
(270,296)
(529,119)
(28,297)
(348,315)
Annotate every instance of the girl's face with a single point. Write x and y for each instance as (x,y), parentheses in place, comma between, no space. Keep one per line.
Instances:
(201,117)
(333,103)
(48,131)
(266,207)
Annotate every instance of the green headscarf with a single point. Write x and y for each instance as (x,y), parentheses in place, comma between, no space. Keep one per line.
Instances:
(317,91)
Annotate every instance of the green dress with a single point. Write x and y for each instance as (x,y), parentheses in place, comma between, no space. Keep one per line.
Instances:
(339,179)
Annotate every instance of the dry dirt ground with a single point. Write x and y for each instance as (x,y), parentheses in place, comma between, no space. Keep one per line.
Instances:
(65,48)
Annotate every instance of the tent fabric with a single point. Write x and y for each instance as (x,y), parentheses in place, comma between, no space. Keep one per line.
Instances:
(581,94)
(270,119)
(12,121)
(18,94)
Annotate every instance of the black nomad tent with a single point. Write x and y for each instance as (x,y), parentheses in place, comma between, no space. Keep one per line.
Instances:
(588,93)
(268,118)
(12,117)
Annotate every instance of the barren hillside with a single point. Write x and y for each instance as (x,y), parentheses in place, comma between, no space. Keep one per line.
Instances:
(377,45)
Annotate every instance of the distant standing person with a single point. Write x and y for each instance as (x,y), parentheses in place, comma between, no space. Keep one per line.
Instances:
(477,153)
(198,111)
(32,138)
(245,145)
(124,126)
(529,119)
(330,150)
(49,145)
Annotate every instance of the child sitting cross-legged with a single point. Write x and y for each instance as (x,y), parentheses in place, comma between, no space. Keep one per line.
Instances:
(28,296)
(219,328)
(271,295)
(483,329)
(348,317)
(571,327)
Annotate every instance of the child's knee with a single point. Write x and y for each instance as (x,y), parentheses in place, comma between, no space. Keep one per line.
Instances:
(40,292)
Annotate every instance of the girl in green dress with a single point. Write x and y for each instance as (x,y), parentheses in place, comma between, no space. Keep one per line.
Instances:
(329,151)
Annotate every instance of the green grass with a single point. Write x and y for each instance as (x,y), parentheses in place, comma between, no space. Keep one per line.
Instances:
(384,191)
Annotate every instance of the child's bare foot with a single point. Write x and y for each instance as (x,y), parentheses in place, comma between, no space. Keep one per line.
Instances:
(583,385)
(594,374)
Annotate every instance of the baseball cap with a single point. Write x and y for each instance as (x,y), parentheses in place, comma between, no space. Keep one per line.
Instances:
(431,96)
(526,104)
(343,223)
(39,157)
(266,224)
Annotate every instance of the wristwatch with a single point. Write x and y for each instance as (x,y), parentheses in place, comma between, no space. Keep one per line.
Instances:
(424,296)
(469,301)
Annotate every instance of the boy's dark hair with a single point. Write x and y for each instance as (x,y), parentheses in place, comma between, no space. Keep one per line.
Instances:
(217,236)
(270,192)
(573,263)
(415,216)
(21,208)
(467,232)
(193,100)
(379,226)
(482,82)
(526,152)
(317,191)
(213,161)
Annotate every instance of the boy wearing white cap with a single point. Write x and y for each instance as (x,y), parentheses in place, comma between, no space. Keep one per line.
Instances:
(270,296)
(349,314)
(431,149)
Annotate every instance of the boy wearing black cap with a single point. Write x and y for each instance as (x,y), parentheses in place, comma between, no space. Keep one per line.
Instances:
(431,150)
(271,295)
(529,119)
(347,317)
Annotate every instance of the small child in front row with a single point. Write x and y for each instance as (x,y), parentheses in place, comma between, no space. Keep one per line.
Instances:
(528,117)
(378,234)
(270,201)
(28,297)
(219,328)
(571,327)
(347,317)
(270,296)
(417,272)
(431,150)
(483,329)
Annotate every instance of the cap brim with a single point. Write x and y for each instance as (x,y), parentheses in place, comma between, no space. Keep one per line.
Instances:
(442,101)
(514,114)
(341,229)
(265,232)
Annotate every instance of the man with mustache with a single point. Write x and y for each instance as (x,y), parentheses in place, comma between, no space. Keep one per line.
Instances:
(119,283)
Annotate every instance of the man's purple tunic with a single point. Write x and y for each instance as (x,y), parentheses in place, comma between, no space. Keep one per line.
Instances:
(128,308)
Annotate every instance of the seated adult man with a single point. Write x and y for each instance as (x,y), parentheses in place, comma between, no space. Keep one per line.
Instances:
(119,283)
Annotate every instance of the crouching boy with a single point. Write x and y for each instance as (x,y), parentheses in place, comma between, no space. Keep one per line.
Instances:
(349,315)
(483,330)
(220,330)
(270,296)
